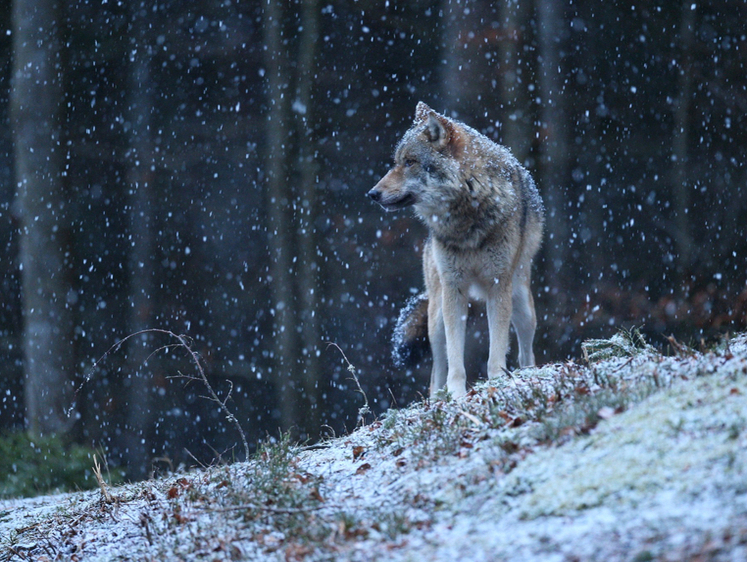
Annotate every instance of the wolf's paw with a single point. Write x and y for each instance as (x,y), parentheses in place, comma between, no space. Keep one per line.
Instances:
(498,372)
(457,391)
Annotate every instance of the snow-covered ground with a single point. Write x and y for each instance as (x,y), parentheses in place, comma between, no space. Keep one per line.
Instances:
(627,456)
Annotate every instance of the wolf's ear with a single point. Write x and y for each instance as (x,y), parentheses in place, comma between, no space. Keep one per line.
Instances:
(422,111)
(441,132)
(435,130)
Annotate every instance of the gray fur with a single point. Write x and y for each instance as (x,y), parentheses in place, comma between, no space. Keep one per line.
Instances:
(485,219)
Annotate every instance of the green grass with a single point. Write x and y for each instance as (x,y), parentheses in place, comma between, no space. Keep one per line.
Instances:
(35,466)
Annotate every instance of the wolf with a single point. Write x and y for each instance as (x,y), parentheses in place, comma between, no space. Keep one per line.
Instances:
(485,221)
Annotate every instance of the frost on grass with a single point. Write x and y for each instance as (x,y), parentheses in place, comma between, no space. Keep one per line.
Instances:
(690,429)
(630,455)
(626,343)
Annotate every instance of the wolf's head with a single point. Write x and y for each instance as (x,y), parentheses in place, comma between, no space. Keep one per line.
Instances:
(425,160)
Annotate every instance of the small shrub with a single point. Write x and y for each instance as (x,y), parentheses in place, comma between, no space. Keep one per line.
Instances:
(35,466)
(626,343)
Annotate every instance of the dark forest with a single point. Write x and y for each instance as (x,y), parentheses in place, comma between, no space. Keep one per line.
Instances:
(202,168)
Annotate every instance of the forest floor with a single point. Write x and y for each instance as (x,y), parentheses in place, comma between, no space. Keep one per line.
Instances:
(627,454)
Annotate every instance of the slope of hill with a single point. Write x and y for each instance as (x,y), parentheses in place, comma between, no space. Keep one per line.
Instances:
(629,455)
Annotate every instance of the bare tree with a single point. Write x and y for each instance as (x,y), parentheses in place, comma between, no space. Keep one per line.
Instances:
(37,113)
(278,202)
(457,66)
(140,172)
(512,82)
(680,186)
(291,205)
(554,124)
(308,241)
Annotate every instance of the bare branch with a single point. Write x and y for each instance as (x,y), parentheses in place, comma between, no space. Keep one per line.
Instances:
(365,409)
(186,343)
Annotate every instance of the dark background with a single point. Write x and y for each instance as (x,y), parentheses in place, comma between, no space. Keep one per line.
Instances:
(209,178)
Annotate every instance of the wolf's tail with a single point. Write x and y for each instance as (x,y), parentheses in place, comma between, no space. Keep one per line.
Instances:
(410,338)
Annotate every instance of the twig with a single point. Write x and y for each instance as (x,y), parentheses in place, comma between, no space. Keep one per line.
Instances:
(394,399)
(681,349)
(621,367)
(109,351)
(194,458)
(365,409)
(213,395)
(185,342)
(315,447)
(105,495)
(144,521)
(471,418)
(269,508)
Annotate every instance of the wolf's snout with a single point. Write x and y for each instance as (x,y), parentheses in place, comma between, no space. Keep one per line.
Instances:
(375,194)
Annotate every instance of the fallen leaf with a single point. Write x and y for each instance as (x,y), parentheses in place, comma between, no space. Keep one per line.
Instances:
(303,478)
(297,551)
(363,468)
(316,495)
(181,519)
(503,414)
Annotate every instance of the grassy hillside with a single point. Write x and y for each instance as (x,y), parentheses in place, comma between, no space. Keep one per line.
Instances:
(624,455)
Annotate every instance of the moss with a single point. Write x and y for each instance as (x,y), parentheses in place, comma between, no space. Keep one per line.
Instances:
(688,428)
(35,466)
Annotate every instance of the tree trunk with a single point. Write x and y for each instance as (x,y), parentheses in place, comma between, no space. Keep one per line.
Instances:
(279,204)
(140,415)
(515,102)
(456,69)
(308,210)
(291,212)
(554,150)
(37,112)
(681,188)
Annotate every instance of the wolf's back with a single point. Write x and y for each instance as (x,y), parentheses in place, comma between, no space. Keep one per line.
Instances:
(410,338)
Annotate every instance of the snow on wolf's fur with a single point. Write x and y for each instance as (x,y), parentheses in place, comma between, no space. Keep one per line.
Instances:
(410,340)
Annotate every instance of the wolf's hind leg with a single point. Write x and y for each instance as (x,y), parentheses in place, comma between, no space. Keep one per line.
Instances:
(524,319)
(499,315)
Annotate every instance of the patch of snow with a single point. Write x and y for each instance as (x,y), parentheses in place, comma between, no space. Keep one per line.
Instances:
(631,456)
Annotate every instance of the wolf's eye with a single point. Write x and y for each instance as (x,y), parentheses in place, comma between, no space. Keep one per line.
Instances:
(410,162)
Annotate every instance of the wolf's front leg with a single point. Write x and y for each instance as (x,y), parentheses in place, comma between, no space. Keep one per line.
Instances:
(499,317)
(454,309)
(437,339)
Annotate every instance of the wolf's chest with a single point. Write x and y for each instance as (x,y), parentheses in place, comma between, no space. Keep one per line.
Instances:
(476,271)
(467,232)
